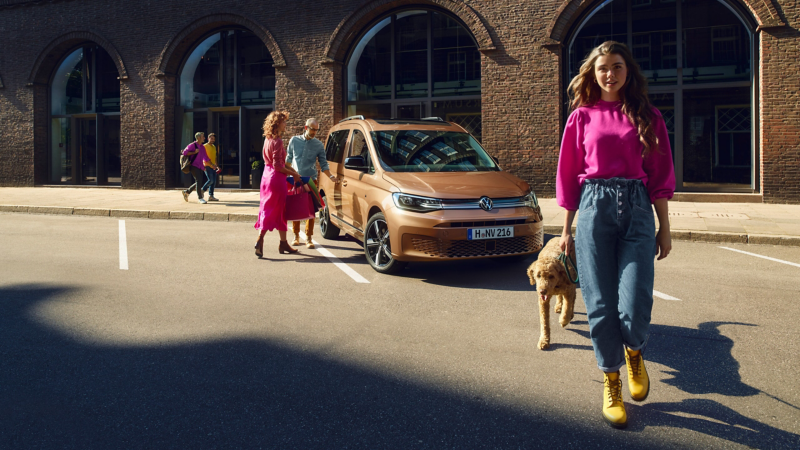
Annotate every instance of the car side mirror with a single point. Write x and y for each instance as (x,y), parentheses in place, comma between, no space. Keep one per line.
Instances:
(356,163)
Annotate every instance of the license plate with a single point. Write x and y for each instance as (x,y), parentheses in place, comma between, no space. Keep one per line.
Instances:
(474,234)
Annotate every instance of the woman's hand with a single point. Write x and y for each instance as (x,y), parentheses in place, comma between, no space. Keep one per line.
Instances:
(663,243)
(566,243)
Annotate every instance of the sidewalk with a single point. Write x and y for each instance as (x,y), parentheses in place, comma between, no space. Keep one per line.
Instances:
(754,223)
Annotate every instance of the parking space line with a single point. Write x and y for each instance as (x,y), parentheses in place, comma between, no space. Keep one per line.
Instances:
(337,262)
(123,247)
(762,256)
(664,296)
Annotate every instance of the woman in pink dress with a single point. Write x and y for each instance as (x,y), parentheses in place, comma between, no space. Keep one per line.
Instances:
(273,183)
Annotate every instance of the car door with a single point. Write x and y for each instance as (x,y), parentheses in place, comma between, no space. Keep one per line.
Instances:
(357,183)
(335,150)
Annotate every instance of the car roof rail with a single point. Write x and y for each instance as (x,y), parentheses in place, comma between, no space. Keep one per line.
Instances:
(359,117)
(433,119)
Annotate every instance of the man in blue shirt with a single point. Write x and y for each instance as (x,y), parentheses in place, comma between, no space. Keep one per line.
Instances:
(302,155)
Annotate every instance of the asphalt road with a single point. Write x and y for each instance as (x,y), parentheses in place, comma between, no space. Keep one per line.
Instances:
(198,344)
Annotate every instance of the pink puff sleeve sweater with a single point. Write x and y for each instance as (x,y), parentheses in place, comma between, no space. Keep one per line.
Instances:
(601,143)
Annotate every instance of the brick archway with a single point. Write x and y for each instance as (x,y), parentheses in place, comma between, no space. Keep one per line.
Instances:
(764,12)
(351,26)
(52,54)
(172,55)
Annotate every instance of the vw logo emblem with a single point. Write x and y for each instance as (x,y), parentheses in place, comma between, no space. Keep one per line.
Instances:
(485,203)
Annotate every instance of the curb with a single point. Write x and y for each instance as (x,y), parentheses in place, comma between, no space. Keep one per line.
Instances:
(678,235)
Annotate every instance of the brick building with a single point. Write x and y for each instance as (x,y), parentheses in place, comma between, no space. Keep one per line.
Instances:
(105,92)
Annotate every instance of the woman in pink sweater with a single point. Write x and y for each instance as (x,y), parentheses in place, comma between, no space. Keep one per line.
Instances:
(615,162)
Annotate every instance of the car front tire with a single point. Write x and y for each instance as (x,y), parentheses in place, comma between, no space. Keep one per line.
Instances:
(378,246)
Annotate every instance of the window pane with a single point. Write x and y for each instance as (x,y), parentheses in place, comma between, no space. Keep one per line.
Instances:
(107,83)
(717,45)
(466,113)
(256,74)
(710,116)
(67,87)
(666,106)
(456,60)
(411,59)
(369,72)
(654,44)
(335,147)
(609,23)
(430,151)
(381,111)
(201,75)
(60,156)
(228,68)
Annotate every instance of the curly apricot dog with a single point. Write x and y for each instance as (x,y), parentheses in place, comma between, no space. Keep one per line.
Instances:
(550,278)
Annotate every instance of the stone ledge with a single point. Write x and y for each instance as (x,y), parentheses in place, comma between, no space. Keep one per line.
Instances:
(185,215)
(130,213)
(91,212)
(242,217)
(13,208)
(216,217)
(49,210)
(767,239)
(158,215)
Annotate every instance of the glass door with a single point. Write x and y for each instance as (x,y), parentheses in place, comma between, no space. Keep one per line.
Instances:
(228,149)
(87,151)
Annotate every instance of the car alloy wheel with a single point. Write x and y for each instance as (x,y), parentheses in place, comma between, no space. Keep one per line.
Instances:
(378,246)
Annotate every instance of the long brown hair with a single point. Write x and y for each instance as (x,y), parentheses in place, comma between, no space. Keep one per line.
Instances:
(583,90)
(272,122)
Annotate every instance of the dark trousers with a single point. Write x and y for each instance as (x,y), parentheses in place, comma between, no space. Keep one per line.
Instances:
(197,174)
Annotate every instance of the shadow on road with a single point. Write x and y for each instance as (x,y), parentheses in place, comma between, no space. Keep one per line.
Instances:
(61,393)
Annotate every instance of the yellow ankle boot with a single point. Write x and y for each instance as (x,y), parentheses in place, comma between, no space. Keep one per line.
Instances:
(638,381)
(613,408)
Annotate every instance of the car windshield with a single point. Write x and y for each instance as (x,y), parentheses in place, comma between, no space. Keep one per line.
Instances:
(431,151)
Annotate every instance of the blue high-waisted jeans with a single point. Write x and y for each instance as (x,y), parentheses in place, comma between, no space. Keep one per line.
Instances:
(615,246)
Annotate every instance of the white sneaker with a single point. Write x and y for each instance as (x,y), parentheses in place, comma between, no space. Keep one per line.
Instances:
(203,201)
(213,199)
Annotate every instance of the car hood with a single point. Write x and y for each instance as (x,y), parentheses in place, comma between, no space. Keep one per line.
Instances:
(458,185)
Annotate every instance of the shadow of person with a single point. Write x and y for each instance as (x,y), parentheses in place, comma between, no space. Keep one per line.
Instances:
(702,359)
(711,418)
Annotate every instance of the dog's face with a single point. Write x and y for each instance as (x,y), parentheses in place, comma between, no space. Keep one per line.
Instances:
(549,276)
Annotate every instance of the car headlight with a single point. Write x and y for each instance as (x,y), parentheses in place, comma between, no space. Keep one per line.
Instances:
(531,200)
(416,203)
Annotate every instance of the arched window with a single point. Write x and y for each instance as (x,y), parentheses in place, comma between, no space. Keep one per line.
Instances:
(414,64)
(84,119)
(703,83)
(227,87)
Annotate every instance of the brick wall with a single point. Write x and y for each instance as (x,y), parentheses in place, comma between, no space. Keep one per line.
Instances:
(521,65)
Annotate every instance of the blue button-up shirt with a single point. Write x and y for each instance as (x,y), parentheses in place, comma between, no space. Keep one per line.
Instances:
(303,155)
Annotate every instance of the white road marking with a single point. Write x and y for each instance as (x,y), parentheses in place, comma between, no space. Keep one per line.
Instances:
(337,262)
(123,247)
(664,296)
(761,256)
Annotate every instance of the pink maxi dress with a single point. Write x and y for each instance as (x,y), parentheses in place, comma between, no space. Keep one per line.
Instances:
(273,187)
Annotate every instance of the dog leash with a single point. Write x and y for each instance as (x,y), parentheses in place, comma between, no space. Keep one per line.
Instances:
(567,261)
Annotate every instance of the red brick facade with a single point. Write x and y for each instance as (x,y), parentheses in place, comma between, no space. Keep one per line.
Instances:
(522,65)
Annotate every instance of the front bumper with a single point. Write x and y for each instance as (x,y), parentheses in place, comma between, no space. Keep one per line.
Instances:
(442,235)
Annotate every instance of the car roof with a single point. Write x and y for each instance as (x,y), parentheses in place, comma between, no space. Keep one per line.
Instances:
(378,124)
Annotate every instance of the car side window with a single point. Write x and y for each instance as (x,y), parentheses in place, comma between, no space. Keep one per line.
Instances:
(335,148)
(359,147)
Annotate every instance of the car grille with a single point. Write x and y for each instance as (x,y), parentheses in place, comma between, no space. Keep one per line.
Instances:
(483,223)
(439,248)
